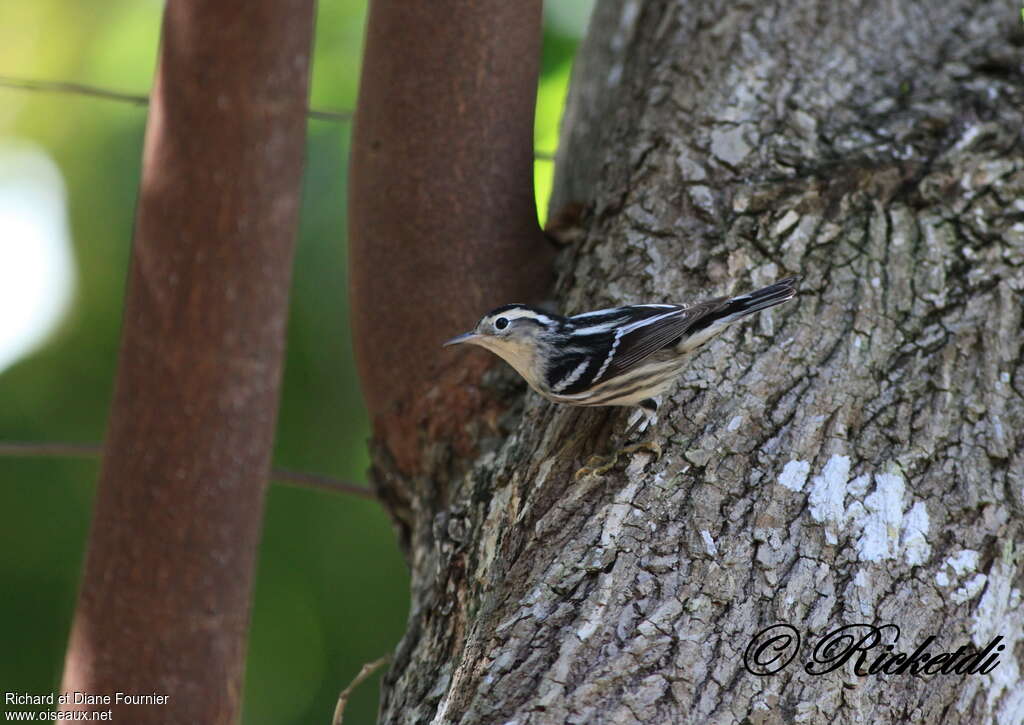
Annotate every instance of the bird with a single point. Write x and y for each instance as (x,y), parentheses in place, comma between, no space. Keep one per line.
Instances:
(621,356)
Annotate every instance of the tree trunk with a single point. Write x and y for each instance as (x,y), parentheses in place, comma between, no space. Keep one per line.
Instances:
(853,457)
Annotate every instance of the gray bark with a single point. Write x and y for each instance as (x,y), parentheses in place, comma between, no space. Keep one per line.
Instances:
(854,456)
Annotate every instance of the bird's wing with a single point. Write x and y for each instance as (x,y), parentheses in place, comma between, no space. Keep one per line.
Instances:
(634,342)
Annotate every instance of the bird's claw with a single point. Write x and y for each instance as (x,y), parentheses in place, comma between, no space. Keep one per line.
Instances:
(598,465)
(649,446)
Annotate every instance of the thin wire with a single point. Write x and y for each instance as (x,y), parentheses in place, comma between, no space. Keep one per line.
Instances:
(105,94)
(318,480)
(81,89)
(34,449)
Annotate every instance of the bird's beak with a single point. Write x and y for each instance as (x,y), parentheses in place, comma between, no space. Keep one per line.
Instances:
(464,337)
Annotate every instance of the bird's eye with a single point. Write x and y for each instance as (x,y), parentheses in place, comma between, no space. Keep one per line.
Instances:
(501,323)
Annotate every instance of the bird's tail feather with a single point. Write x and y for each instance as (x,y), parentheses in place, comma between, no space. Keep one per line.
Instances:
(722,313)
(765,297)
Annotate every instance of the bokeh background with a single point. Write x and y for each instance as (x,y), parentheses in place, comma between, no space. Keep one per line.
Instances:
(331,589)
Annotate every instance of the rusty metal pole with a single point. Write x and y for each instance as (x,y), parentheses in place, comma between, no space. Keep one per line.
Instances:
(442,219)
(164,601)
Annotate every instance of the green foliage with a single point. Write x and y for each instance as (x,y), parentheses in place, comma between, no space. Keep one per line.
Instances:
(556,64)
(331,590)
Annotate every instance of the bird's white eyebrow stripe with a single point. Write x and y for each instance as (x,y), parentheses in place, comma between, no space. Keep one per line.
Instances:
(572,377)
(526,314)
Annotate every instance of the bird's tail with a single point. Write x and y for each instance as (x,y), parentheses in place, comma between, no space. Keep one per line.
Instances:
(717,314)
(773,294)
(722,312)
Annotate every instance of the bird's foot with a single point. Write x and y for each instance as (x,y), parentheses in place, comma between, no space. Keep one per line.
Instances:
(596,465)
(644,416)
(649,446)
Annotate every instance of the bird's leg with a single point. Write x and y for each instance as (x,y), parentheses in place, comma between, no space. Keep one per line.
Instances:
(644,417)
(648,410)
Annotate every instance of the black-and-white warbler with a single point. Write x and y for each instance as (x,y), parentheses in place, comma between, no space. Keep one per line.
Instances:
(618,356)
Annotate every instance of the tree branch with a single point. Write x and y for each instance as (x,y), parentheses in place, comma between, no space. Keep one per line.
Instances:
(365,672)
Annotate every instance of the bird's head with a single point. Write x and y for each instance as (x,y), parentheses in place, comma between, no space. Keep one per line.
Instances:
(513,332)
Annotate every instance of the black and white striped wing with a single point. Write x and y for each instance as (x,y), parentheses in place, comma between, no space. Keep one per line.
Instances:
(636,341)
(596,338)
(610,343)
(607,344)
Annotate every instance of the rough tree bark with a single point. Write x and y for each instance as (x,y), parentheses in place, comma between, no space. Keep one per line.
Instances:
(164,604)
(852,457)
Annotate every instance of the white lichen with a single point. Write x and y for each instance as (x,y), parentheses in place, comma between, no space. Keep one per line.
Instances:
(828,492)
(971,588)
(794,475)
(963,561)
(880,538)
(999,613)
(877,521)
(858,486)
(913,538)
(709,543)
(884,513)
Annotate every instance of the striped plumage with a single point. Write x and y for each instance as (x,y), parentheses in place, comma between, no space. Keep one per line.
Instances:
(619,356)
